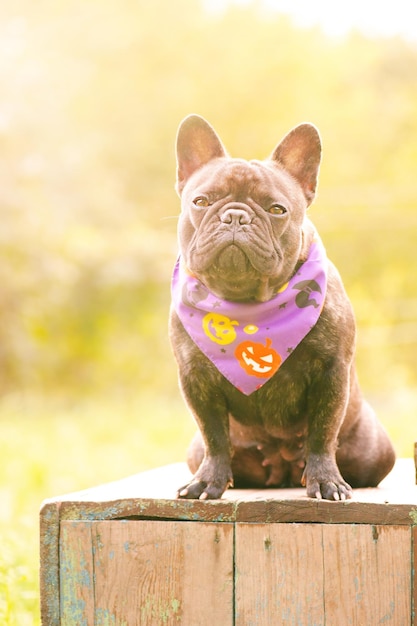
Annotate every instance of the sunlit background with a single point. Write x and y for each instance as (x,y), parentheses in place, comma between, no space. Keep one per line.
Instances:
(92,93)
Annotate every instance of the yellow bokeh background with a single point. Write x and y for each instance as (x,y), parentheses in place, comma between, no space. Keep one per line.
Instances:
(92,94)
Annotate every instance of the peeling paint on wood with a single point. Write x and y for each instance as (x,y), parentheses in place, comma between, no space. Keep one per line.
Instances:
(49,557)
(155,573)
(116,556)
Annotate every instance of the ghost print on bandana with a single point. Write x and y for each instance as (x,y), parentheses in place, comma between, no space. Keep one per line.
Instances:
(248,342)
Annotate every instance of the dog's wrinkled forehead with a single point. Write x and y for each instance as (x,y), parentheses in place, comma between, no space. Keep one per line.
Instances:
(241,179)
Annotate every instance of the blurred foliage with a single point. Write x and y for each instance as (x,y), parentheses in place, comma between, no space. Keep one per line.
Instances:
(65,446)
(92,93)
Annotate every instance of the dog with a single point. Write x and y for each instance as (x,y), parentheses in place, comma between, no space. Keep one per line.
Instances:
(262,329)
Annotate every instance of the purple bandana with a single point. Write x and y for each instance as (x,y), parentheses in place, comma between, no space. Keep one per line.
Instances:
(248,342)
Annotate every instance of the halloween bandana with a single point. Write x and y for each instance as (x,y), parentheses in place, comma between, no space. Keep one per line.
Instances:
(248,342)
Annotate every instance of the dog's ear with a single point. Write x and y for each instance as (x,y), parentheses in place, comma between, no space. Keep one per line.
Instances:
(299,153)
(197,144)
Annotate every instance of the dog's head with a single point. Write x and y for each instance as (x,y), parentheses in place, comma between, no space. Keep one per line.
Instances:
(241,225)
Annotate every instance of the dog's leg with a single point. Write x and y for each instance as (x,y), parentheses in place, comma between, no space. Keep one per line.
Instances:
(214,474)
(247,463)
(327,402)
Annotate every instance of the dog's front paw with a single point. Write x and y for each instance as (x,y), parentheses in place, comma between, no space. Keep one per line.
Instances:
(209,483)
(329,489)
(323,480)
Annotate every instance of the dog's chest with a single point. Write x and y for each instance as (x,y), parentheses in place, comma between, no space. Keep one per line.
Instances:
(279,408)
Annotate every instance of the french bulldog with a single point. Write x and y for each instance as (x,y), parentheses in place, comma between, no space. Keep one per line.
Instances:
(262,329)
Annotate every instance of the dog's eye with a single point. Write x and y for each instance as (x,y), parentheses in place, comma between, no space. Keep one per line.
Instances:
(277,209)
(201,201)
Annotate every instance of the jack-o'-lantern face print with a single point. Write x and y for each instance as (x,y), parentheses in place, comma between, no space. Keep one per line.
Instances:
(258,359)
(219,328)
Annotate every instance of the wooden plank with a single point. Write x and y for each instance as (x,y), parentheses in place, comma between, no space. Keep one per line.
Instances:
(395,502)
(279,575)
(150,508)
(49,564)
(322,574)
(162,483)
(76,574)
(324,511)
(367,574)
(266,509)
(147,573)
(414,575)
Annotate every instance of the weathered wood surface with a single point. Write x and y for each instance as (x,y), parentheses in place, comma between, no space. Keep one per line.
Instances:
(150,498)
(322,574)
(151,495)
(414,571)
(146,574)
(279,574)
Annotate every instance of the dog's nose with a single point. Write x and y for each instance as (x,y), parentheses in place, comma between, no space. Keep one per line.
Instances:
(235,216)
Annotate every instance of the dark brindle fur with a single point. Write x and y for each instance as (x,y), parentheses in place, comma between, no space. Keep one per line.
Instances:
(309,424)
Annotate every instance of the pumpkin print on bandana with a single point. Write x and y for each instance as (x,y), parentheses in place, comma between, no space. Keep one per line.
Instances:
(257,359)
(248,342)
